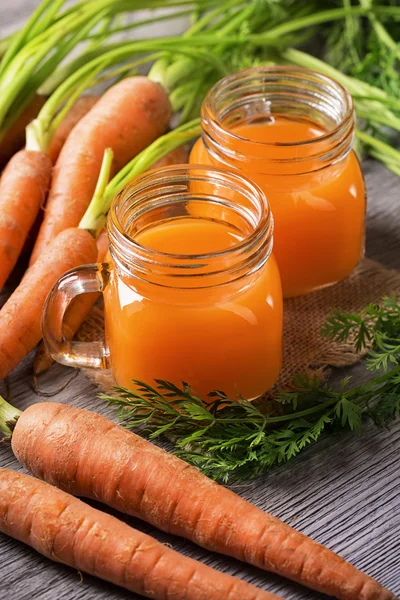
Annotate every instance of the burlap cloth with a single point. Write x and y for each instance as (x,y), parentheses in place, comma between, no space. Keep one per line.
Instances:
(305,350)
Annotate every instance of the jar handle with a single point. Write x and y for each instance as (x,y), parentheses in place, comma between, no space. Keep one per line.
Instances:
(88,278)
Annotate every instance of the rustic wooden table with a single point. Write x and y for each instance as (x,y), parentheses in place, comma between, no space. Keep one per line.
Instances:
(344,491)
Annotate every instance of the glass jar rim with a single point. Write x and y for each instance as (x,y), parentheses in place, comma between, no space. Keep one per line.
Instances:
(172,174)
(208,110)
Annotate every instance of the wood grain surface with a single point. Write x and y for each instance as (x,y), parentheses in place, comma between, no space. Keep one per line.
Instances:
(343,492)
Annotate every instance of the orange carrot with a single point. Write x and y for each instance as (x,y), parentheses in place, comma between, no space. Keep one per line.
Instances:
(85,454)
(14,138)
(78,110)
(71,532)
(20,316)
(75,315)
(74,115)
(127,118)
(23,189)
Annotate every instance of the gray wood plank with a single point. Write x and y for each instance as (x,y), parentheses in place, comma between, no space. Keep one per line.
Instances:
(344,491)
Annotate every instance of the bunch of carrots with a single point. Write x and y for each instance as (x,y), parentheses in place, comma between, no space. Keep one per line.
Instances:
(61,170)
(126,119)
(79,152)
(86,455)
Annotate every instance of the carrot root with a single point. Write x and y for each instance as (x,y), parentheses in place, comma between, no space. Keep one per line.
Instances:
(127,118)
(86,455)
(23,189)
(71,532)
(74,115)
(20,316)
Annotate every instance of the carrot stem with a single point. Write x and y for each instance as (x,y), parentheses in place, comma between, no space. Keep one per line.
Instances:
(94,221)
(18,40)
(356,87)
(381,151)
(39,132)
(21,71)
(210,16)
(95,217)
(65,71)
(143,22)
(36,140)
(48,18)
(72,98)
(128,68)
(8,416)
(158,149)
(168,75)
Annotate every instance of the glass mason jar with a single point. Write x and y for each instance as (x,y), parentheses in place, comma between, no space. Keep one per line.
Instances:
(291,131)
(191,290)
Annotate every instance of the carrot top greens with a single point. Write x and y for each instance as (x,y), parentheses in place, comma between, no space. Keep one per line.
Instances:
(236,439)
(32,59)
(357,44)
(359,38)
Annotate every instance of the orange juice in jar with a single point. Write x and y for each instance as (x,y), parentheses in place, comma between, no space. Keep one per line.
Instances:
(191,289)
(291,131)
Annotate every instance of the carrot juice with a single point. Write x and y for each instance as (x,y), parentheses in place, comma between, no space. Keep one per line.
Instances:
(280,137)
(201,301)
(231,343)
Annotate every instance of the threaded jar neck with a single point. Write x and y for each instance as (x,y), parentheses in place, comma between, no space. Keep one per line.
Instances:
(255,96)
(195,192)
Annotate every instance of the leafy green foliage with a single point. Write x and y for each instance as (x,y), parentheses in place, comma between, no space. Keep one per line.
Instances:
(358,40)
(344,41)
(236,439)
(366,47)
(349,413)
(379,67)
(341,326)
(377,324)
(360,50)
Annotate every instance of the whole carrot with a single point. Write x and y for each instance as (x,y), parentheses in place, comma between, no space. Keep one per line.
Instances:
(73,116)
(126,119)
(20,316)
(23,189)
(69,531)
(24,186)
(87,455)
(75,314)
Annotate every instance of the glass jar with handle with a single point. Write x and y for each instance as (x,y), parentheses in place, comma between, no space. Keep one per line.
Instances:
(191,288)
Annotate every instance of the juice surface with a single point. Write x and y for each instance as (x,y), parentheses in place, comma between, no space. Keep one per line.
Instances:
(319,215)
(189,236)
(227,338)
(279,129)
